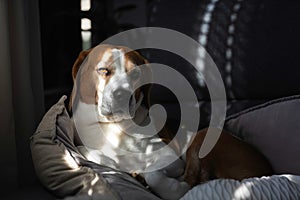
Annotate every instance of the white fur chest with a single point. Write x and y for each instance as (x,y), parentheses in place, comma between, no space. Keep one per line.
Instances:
(109,145)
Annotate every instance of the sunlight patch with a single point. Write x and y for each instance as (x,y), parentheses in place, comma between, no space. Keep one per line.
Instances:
(243,191)
(70,161)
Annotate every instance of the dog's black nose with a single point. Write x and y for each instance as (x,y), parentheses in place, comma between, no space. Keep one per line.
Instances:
(106,112)
(122,96)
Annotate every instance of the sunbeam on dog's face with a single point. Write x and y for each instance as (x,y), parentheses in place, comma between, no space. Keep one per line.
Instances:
(116,97)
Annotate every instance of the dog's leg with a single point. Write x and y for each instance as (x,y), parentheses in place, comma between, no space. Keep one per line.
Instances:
(166,187)
(197,170)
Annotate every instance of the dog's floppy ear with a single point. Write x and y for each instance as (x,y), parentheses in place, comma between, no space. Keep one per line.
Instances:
(79,61)
(147,73)
(138,59)
(75,68)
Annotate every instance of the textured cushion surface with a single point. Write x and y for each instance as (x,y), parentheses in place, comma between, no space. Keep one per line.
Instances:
(274,129)
(271,187)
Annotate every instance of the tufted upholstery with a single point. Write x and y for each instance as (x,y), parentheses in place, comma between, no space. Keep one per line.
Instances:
(253,43)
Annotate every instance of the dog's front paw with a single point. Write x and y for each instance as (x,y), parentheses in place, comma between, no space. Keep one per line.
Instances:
(166,187)
(175,169)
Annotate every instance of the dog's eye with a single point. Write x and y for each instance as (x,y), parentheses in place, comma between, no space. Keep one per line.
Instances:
(103,71)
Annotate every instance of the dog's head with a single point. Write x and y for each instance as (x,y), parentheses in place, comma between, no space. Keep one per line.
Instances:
(107,76)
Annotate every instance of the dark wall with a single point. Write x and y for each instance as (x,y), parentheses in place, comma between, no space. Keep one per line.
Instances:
(61,42)
(61,35)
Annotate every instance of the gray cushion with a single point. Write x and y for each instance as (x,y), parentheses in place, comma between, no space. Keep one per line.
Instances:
(64,172)
(274,129)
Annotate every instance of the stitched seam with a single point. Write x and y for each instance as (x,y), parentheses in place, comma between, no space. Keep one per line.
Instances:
(264,105)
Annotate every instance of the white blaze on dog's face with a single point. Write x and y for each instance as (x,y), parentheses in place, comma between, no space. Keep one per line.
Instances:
(116,99)
(108,79)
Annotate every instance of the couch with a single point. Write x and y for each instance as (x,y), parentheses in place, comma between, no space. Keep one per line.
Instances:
(254,45)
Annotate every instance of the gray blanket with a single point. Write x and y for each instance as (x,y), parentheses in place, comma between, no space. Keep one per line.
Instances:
(275,187)
(64,172)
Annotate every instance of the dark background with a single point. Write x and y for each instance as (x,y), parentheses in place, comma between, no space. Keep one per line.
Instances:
(61,35)
(264,63)
(265,52)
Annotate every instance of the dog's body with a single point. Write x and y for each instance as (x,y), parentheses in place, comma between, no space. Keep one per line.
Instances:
(107,106)
(230,158)
(106,93)
(104,88)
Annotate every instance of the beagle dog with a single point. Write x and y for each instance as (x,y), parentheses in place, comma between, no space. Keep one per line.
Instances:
(107,104)
(106,100)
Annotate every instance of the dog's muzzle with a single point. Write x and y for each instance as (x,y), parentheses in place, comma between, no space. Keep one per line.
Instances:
(121,102)
(123,97)
(118,100)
